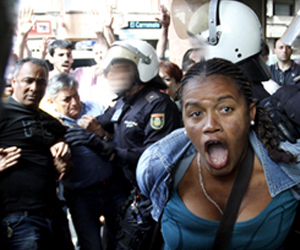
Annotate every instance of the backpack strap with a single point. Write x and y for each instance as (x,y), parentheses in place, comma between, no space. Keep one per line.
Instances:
(180,170)
(234,201)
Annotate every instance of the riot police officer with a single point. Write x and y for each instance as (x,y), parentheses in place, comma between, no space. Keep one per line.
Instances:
(211,37)
(142,114)
(208,28)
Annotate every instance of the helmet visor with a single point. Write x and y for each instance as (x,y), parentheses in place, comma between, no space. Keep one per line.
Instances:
(185,18)
(118,53)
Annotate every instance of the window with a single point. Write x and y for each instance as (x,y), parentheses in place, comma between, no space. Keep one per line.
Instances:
(284,8)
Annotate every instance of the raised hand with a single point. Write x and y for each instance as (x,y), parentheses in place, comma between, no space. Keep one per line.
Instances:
(25,21)
(108,17)
(161,45)
(44,46)
(96,21)
(165,17)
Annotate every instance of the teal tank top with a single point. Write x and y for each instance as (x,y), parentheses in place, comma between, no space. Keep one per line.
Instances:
(182,229)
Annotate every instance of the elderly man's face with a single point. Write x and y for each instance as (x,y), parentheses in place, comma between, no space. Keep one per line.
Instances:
(30,85)
(67,102)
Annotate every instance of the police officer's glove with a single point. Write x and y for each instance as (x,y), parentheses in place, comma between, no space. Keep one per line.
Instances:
(79,136)
(287,130)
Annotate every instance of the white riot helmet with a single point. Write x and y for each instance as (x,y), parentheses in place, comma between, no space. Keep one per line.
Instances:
(232,31)
(141,53)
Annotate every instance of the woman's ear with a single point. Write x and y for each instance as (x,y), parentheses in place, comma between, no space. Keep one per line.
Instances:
(252,111)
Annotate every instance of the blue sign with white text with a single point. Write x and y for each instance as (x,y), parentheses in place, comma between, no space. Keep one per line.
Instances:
(143,25)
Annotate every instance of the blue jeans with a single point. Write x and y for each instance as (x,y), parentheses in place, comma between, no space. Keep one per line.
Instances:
(87,205)
(34,233)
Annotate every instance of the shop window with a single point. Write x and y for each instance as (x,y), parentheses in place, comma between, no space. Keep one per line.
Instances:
(283,8)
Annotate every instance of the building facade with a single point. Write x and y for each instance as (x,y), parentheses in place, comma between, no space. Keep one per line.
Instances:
(70,19)
(279,15)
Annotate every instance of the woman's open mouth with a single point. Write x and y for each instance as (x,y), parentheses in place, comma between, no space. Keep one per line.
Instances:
(216,153)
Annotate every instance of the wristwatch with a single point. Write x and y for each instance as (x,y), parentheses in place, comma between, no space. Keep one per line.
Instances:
(105,137)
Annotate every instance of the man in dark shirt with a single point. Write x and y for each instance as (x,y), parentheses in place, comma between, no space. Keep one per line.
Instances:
(29,208)
(285,70)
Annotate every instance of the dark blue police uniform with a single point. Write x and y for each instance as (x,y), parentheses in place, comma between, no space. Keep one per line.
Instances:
(285,77)
(138,122)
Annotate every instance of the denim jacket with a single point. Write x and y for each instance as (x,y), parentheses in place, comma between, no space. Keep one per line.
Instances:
(154,171)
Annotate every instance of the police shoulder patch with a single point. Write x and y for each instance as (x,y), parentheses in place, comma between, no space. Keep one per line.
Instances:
(157,121)
(151,96)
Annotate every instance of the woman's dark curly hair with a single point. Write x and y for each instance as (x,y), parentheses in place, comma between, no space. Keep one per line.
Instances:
(264,128)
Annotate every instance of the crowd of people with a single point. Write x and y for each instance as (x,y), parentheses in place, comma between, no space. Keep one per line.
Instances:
(85,138)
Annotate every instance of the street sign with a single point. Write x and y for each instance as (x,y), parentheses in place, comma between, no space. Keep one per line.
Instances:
(41,28)
(143,25)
